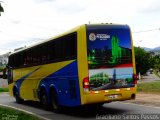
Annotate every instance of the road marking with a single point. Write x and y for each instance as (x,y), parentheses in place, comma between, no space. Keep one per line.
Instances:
(141,105)
(39,116)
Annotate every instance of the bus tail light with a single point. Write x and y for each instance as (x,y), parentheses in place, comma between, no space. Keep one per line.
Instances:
(86,84)
(135,78)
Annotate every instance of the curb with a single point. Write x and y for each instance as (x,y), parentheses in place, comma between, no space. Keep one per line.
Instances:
(27,112)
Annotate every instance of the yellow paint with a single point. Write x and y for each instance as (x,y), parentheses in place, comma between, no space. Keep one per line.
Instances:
(133,55)
(82,59)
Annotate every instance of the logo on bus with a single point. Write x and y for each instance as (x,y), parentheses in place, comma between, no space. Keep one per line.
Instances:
(92,37)
(103,36)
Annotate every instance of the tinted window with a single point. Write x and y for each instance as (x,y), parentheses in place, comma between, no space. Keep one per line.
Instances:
(56,50)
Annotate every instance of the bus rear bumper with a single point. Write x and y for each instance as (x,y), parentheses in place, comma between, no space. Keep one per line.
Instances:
(107,96)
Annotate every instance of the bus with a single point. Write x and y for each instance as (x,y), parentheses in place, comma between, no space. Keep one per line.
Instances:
(91,64)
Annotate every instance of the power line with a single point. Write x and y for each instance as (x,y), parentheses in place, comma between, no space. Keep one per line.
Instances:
(147,30)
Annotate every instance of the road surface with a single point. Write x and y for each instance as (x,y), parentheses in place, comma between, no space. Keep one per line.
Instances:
(112,109)
(149,78)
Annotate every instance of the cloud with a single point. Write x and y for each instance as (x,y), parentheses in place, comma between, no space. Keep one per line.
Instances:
(42,1)
(26,20)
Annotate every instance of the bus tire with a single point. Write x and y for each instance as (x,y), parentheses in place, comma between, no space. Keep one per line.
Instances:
(19,100)
(54,101)
(44,100)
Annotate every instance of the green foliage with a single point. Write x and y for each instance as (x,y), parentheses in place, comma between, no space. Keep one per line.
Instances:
(156,62)
(4,89)
(143,60)
(1,68)
(149,87)
(1,9)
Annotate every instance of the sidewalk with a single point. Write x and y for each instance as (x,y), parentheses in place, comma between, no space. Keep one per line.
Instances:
(146,99)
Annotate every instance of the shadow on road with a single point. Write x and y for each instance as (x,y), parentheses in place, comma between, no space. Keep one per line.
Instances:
(82,112)
(91,112)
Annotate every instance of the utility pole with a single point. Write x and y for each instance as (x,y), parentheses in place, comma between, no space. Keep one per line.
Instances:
(1,8)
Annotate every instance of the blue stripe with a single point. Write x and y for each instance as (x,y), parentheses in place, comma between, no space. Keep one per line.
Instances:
(66,83)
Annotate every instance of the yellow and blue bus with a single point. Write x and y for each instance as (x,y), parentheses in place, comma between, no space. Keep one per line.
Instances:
(90,64)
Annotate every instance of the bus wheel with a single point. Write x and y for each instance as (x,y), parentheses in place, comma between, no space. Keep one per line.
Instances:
(44,100)
(56,107)
(17,97)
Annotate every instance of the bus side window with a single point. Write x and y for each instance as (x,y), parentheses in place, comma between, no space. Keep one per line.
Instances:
(70,46)
(51,50)
(44,51)
(58,49)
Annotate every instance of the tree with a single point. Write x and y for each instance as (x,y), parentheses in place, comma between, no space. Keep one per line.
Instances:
(156,62)
(1,9)
(143,60)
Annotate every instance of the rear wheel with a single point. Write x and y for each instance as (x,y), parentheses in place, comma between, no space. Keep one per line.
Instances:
(19,100)
(44,100)
(54,102)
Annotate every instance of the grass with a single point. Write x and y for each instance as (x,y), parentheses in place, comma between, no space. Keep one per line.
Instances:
(8,113)
(149,87)
(4,89)
(157,73)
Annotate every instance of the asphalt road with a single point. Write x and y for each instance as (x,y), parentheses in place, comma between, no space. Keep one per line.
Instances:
(114,109)
(149,78)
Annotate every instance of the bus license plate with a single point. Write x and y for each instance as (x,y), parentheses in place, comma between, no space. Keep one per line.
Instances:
(112,96)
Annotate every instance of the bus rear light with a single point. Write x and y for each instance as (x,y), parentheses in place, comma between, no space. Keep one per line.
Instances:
(130,88)
(135,78)
(135,82)
(86,84)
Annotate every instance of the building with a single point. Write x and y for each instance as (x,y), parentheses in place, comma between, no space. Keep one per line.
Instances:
(4,59)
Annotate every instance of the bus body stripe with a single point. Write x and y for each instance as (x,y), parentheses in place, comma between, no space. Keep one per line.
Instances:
(66,83)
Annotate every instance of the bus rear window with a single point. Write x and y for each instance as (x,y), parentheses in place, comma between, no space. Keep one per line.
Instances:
(108,47)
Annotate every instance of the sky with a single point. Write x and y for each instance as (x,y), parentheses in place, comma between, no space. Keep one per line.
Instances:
(26,22)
